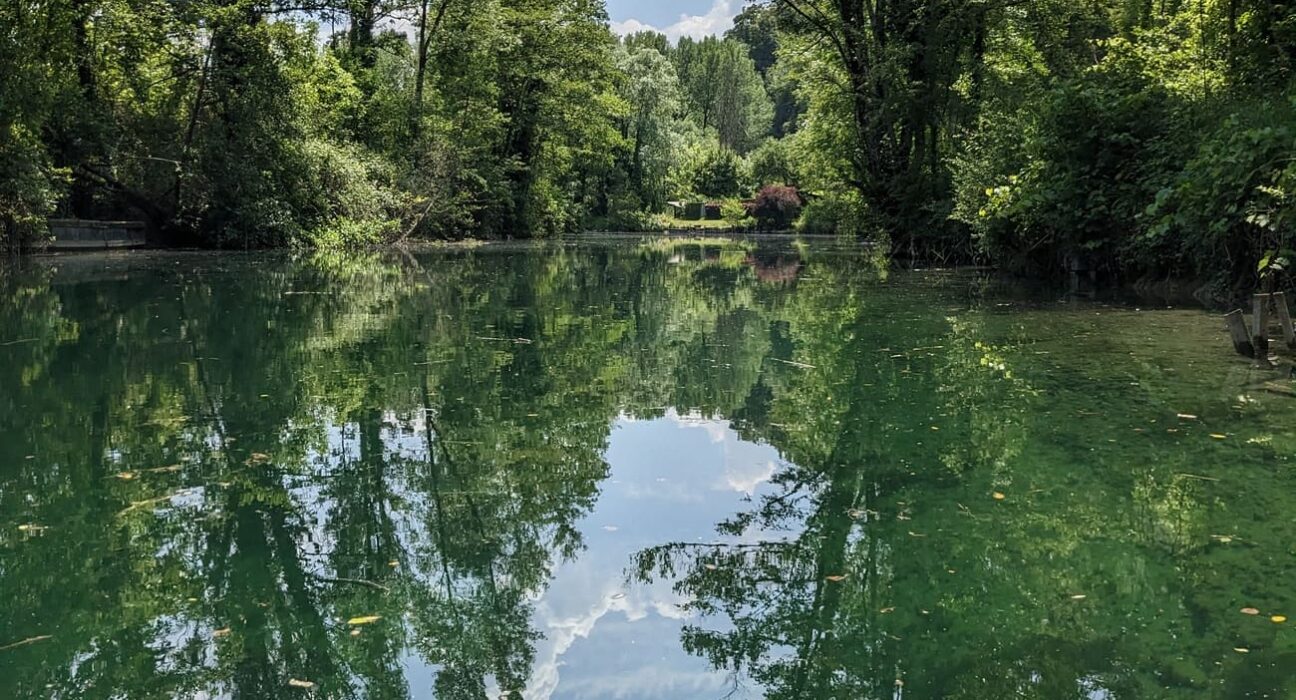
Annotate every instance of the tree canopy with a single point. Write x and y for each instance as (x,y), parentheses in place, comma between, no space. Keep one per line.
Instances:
(1134,135)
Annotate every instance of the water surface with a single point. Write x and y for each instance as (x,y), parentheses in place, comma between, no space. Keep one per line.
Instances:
(625,470)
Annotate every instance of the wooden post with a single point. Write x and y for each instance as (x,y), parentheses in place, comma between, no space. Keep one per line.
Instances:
(1260,330)
(1284,318)
(1238,330)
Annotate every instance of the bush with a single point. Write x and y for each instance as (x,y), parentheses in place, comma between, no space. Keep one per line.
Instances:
(1234,201)
(1072,173)
(734,213)
(29,188)
(777,206)
(837,214)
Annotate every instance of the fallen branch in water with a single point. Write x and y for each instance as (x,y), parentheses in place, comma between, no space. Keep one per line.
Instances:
(356,581)
(29,640)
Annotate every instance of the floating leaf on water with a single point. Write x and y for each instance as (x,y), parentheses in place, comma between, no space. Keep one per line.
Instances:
(711,567)
(355,632)
(618,596)
(364,620)
(1242,650)
(168,468)
(1249,611)
(916,534)
(999,496)
(125,476)
(1218,436)
(258,458)
(1278,619)
(1186,416)
(837,578)
(887,611)
(300,684)
(1222,539)
(393,563)
(222,632)
(31,527)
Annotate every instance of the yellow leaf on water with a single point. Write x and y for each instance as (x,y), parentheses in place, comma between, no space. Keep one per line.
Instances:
(1278,619)
(365,620)
(886,611)
(222,632)
(1242,650)
(1218,436)
(1249,611)
(999,496)
(711,567)
(1187,416)
(126,476)
(836,579)
(355,632)
(300,684)
(1079,596)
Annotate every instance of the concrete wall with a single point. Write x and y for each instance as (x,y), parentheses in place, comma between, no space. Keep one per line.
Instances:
(72,234)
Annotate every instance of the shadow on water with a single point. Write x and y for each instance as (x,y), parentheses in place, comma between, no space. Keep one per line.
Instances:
(787,470)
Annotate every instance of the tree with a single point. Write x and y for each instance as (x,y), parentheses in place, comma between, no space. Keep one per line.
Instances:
(652,91)
(723,92)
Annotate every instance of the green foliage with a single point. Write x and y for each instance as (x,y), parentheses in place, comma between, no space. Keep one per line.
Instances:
(771,163)
(841,214)
(716,172)
(1232,203)
(734,213)
(29,189)
(1074,176)
(724,93)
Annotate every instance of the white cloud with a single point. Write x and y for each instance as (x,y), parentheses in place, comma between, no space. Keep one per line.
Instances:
(716,21)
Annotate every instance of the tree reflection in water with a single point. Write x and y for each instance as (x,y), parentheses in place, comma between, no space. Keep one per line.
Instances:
(208,466)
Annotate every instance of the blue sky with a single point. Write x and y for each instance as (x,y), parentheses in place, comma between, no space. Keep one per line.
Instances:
(676,18)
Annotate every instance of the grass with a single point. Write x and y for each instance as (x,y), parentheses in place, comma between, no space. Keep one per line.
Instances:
(699,224)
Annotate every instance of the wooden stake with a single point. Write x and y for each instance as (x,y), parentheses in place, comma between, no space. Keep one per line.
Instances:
(1260,329)
(1284,318)
(1238,330)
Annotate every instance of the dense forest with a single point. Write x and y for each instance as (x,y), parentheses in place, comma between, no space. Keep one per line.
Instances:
(1147,136)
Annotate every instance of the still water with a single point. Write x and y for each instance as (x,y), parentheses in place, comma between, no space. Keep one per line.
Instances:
(632,471)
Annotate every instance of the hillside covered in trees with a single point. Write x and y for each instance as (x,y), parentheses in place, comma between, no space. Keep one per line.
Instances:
(1148,136)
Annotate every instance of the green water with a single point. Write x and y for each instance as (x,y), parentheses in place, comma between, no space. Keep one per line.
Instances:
(629,471)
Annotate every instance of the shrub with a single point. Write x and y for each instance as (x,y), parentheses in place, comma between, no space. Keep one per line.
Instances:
(777,206)
(836,214)
(29,188)
(734,213)
(1234,201)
